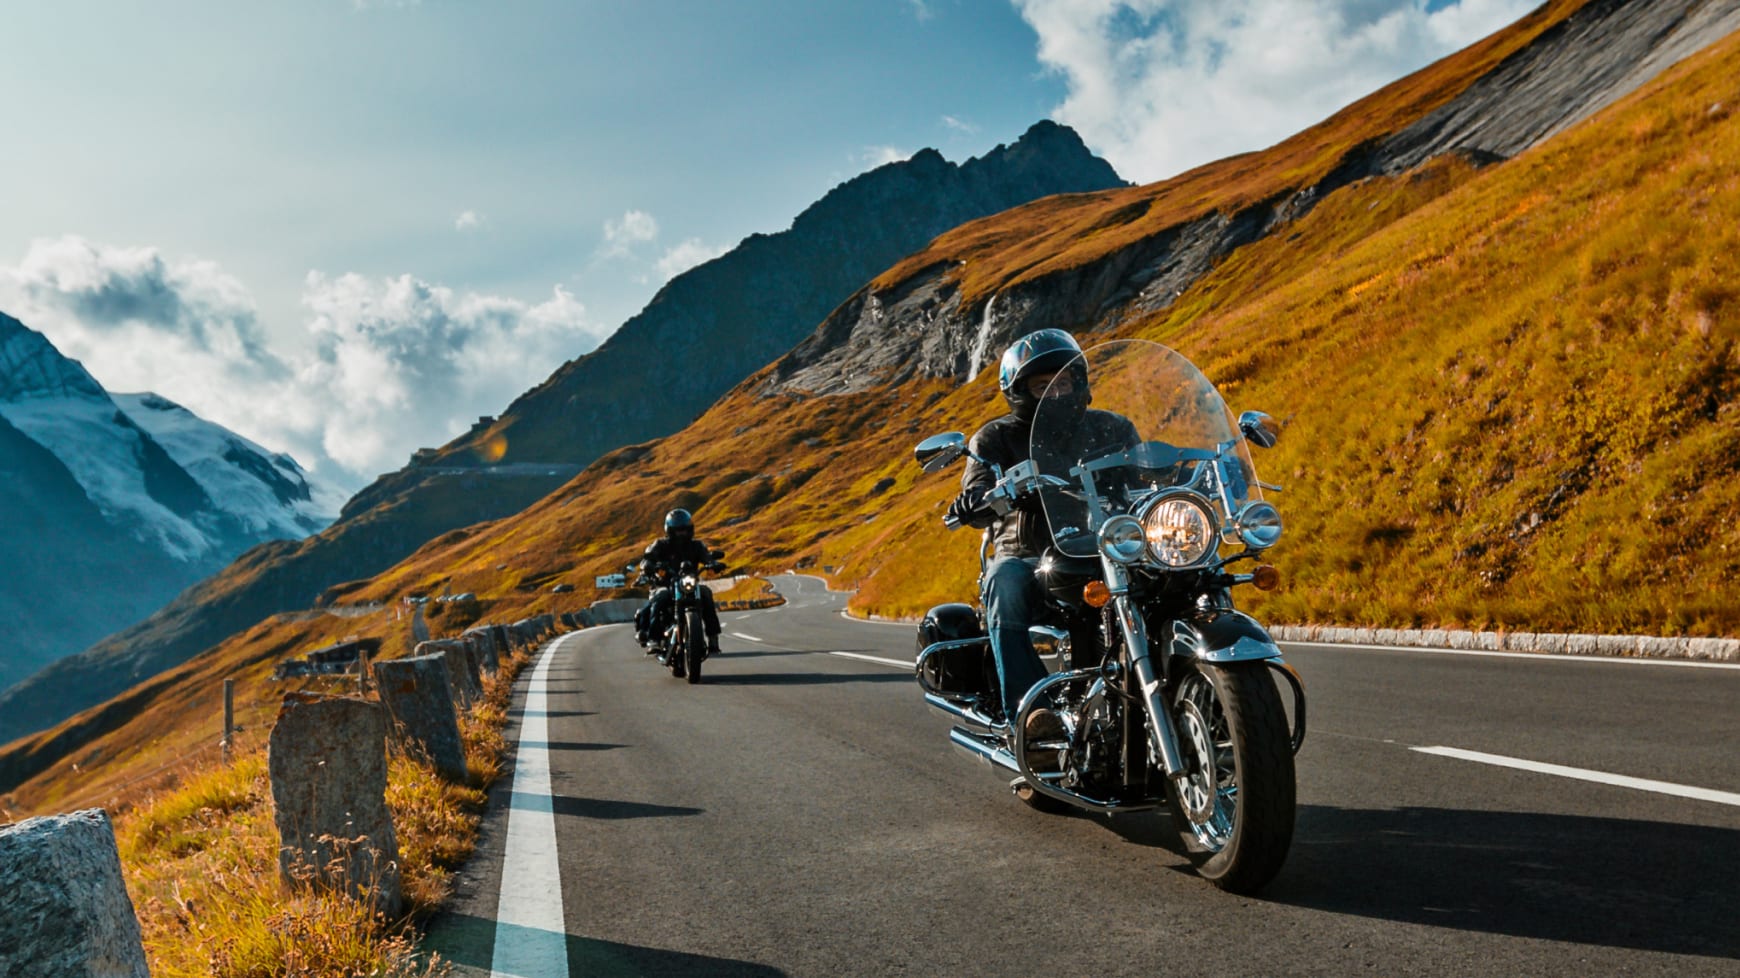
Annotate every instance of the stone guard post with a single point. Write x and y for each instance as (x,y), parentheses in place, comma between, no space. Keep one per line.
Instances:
(64,909)
(328,762)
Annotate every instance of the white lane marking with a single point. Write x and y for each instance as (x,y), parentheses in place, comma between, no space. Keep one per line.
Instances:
(746,638)
(1536,656)
(872,621)
(530,936)
(1599,777)
(872,658)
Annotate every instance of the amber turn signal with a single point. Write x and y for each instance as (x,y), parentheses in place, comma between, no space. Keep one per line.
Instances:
(1096,594)
(1266,577)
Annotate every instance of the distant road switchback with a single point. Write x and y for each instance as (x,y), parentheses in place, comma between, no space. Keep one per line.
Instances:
(801,813)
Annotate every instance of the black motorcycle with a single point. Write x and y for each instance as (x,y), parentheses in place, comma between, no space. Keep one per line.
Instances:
(680,642)
(1168,696)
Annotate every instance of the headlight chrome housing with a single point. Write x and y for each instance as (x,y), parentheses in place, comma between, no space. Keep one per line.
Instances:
(1180,529)
(1258,525)
(1123,539)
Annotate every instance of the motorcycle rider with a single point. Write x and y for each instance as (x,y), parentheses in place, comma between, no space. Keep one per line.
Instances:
(1044,365)
(667,554)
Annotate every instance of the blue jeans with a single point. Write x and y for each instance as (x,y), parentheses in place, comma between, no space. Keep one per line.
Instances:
(1011,597)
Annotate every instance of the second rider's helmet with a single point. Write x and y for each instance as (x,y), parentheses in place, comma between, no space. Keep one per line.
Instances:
(679,525)
(1047,351)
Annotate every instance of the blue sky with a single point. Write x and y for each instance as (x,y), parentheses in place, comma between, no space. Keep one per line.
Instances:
(345,229)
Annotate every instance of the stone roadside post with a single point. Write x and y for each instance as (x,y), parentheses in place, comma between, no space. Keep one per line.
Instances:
(64,909)
(419,700)
(327,758)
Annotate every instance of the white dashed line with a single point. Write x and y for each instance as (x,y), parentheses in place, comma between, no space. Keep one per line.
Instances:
(872,658)
(1599,777)
(1535,656)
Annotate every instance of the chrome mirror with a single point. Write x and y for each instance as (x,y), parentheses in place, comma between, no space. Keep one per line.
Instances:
(1259,429)
(938,451)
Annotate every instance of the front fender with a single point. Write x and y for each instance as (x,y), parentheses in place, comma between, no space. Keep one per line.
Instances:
(1222,636)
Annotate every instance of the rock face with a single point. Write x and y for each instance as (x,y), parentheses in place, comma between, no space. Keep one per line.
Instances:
(328,764)
(419,699)
(922,326)
(66,910)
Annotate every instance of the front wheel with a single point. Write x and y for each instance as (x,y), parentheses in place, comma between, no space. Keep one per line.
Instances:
(697,647)
(1235,809)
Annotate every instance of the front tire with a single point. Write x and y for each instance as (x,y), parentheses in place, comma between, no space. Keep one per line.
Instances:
(697,647)
(1235,810)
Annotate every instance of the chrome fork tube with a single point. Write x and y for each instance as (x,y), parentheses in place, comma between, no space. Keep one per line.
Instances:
(1142,667)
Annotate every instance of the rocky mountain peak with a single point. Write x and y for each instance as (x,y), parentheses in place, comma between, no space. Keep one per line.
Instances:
(31,368)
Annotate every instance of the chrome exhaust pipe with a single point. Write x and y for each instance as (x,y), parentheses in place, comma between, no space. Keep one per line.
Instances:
(961,711)
(996,757)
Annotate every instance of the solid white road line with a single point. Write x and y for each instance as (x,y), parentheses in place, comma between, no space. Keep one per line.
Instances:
(1535,656)
(1599,777)
(530,936)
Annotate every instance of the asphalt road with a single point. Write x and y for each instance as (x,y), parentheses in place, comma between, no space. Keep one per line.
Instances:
(801,813)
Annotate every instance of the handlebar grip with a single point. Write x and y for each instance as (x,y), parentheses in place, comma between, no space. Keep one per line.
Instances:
(951,522)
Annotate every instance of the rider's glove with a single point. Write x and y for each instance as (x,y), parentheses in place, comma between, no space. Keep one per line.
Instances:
(966,505)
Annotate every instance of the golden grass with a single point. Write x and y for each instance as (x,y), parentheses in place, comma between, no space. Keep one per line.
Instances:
(202,867)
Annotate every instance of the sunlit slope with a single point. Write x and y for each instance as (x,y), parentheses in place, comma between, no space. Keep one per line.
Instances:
(1510,389)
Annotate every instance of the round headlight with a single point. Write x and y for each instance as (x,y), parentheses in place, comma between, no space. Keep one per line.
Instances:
(1122,539)
(1259,525)
(1180,531)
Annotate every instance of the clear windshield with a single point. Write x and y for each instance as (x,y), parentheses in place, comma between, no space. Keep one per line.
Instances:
(1150,421)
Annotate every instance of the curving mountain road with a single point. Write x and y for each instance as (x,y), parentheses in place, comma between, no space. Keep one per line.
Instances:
(801,813)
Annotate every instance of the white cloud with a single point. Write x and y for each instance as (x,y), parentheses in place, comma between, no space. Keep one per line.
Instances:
(1159,86)
(389,365)
(621,234)
(959,125)
(875,156)
(921,10)
(468,221)
(685,256)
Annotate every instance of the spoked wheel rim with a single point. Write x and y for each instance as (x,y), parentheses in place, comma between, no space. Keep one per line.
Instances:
(1209,795)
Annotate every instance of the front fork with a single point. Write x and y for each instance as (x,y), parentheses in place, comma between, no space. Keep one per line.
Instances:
(1146,675)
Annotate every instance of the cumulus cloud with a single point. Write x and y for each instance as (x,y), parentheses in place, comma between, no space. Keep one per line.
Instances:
(383,366)
(685,256)
(1159,86)
(621,234)
(468,221)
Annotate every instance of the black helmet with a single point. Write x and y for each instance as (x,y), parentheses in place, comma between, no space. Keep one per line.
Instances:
(1044,352)
(679,525)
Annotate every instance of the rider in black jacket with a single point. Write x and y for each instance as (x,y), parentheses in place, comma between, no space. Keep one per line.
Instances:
(666,555)
(1044,365)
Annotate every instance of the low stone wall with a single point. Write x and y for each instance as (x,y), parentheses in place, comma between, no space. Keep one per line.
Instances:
(1554,643)
(64,909)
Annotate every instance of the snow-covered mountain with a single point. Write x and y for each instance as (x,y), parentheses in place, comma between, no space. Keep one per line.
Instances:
(115,503)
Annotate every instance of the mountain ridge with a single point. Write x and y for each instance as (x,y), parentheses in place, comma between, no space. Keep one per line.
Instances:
(703,332)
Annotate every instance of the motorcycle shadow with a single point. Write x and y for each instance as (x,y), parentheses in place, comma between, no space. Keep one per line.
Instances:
(1607,882)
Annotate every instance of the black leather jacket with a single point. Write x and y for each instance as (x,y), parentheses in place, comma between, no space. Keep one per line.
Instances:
(1005,442)
(669,554)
